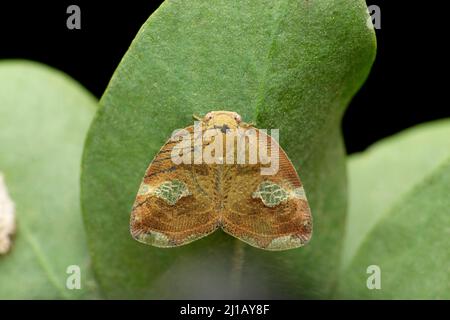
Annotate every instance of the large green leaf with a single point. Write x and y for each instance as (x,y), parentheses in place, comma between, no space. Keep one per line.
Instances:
(399,216)
(292,65)
(44,117)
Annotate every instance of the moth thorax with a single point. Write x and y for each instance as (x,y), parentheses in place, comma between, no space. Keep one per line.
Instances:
(222,119)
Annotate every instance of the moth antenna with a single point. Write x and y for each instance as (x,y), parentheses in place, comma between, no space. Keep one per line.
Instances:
(197,117)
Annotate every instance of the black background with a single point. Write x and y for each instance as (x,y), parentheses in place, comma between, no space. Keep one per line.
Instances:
(405,87)
(279,309)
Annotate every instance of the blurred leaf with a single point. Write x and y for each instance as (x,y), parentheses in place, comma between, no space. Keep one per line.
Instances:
(399,216)
(292,65)
(44,117)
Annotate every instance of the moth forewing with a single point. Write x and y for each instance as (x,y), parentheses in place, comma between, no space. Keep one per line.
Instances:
(174,210)
(269,211)
(222,173)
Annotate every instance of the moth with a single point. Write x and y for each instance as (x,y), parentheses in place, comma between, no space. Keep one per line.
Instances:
(222,173)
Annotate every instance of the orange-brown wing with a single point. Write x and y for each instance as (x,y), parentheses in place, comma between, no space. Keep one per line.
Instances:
(173,206)
(267,211)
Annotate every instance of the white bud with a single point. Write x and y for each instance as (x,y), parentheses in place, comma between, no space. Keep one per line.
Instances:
(7,218)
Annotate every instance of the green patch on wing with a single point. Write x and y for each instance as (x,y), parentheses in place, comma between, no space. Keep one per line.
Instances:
(172,191)
(277,70)
(271,194)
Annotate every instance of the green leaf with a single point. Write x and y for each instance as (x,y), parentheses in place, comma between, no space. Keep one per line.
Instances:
(399,216)
(292,65)
(44,117)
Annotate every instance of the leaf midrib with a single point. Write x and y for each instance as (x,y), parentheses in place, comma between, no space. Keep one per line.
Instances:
(279,13)
(271,47)
(42,260)
(396,203)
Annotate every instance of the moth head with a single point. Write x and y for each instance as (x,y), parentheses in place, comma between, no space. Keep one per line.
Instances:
(225,119)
